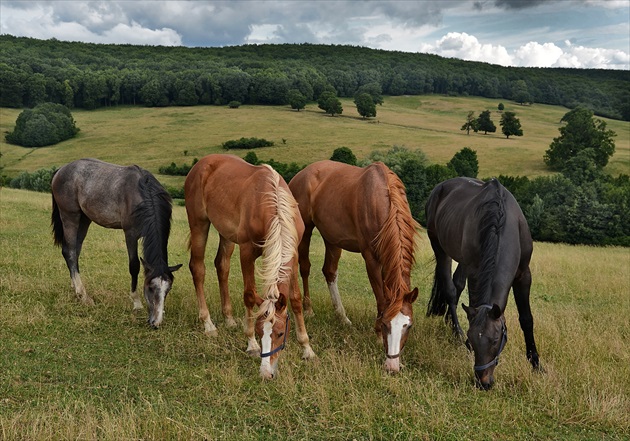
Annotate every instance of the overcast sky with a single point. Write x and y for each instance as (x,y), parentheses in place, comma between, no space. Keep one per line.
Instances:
(541,33)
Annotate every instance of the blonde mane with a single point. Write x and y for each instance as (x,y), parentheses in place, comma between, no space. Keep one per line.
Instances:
(280,244)
(395,245)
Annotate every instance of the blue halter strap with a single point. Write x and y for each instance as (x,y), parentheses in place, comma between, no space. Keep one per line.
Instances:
(284,340)
(501,346)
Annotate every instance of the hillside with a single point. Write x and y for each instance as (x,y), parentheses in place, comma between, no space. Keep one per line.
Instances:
(90,76)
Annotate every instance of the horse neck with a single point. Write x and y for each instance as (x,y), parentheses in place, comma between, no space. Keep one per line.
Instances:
(396,241)
(280,245)
(492,229)
(154,214)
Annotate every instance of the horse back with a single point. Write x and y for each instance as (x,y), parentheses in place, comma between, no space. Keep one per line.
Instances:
(106,193)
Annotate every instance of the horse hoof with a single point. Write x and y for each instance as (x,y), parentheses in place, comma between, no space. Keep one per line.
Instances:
(255,353)
(309,354)
(211,333)
(346,321)
(308,313)
(87,301)
(230,322)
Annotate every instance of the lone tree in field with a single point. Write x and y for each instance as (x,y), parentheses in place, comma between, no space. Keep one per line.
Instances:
(46,124)
(345,155)
(329,103)
(580,133)
(365,105)
(470,124)
(296,99)
(510,125)
(485,124)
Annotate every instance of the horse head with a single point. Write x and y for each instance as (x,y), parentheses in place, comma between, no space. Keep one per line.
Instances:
(272,327)
(395,330)
(156,288)
(487,336)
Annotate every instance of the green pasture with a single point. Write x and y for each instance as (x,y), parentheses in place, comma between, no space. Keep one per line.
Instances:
(153,137)
(73,372)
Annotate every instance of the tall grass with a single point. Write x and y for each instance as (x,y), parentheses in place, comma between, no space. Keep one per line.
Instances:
(68,371)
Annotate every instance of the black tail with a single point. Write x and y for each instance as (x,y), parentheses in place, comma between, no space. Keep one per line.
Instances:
(437,303)
(56,224)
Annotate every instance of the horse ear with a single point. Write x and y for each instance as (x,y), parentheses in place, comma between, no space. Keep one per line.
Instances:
(281,303)
(469,311)
(174,268)
(495,312)
(411,297)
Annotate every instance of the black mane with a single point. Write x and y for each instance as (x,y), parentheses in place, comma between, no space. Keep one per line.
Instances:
(492,220)
(154,214)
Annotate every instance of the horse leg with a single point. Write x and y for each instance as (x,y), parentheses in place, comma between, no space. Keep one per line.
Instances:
(222,265)
(373,267)
(521,286)
(71,248)
(296,306)
(305,268)
(248,258)
(131,240)
(331,264)
(198,238)
(444,295)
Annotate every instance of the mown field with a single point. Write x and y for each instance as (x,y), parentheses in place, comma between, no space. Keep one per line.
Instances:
(74,372)
(153,137)
(68,371)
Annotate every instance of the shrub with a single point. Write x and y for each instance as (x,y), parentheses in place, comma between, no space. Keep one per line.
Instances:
(234,104)
(39,180)
(177,170)
(246,143)
(46,124)
(345,155)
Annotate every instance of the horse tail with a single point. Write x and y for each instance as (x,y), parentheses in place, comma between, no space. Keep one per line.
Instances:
(492,221)
(56,222)
(395,243)
(437,303)
(280,244)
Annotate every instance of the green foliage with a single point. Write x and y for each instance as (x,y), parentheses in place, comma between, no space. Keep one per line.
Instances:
(329,103)
(485,124)
(465,163)
(297,101)
(177,170)
(500,107)
(580,132)
(234,104)
(34,71)
(39,180)
(345,155)
(46,124)
(365,105)
(247,143)
(287,171)
(471,123)
(510,125)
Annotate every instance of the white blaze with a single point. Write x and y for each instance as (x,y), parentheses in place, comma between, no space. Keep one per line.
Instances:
(161,286)
(266,370)
(398,323)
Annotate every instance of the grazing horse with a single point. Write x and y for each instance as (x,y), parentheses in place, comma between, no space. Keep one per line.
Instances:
(481,226)
(113,196)
(362,210)
(250,206)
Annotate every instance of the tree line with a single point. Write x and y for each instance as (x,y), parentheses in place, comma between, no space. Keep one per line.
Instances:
(89,76)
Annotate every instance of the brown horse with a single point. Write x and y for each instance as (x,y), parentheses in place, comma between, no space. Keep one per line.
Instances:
(363,210)
(250,206)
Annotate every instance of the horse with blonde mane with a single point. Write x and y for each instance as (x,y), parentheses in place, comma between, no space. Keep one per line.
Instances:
(362,210)
(250,206)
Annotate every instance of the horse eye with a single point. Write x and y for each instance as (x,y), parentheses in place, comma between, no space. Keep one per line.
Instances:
(281,334)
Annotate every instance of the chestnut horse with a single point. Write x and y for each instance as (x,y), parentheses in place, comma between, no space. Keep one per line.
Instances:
(114,196)
(481,226)
(250,206)
(362,210)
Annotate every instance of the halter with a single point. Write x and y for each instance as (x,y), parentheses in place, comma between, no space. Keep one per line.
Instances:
(501,346)
(284,340)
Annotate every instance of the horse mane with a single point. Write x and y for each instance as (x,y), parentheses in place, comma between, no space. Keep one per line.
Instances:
(154,214)
(491,214)
(280,243)
(395,245)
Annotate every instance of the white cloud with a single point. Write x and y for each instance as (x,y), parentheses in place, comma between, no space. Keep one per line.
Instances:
(532,54)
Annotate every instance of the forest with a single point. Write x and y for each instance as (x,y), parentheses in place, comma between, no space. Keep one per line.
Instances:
(89,76)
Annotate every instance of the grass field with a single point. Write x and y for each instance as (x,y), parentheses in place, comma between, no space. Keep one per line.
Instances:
(68,371)
(152,137)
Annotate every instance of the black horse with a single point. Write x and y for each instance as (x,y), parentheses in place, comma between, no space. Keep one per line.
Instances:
(113,196)
(481,226)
